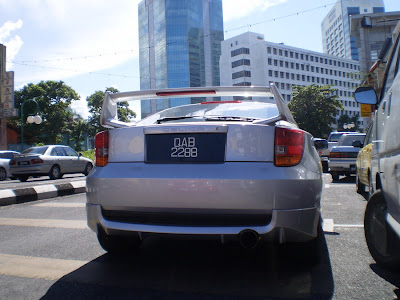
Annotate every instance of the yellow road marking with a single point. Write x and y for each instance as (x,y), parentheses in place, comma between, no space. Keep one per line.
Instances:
(53,223)
(37,267)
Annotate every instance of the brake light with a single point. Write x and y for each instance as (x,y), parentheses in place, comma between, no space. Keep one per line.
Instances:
(289,146)
(13,162)
(221,102)
(343,155)
(185,93)
(101,142)
(36,161)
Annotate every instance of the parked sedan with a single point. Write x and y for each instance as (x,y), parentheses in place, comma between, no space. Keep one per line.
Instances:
(342,158)
(5,157)
(51,160)
(231,169)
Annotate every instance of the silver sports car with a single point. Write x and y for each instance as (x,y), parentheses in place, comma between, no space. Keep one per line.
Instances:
(235,167)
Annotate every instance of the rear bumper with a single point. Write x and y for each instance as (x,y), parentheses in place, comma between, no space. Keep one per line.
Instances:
(30,170)
(293,225)
(348,166)
(288,197)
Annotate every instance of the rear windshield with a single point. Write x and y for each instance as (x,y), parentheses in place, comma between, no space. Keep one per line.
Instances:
(256,110)
(335,137)
(348,139)
(36,150)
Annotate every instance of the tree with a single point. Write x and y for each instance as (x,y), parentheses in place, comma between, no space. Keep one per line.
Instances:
(95,102)
(53,98)
(314,108)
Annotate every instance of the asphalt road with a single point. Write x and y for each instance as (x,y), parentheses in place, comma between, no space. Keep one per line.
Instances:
(47,251)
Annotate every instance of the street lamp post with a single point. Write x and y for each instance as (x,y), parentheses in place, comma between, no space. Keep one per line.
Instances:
(31,119)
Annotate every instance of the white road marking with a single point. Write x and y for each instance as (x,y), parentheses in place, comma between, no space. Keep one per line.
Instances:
(7,194)
(37,267)
(328,225)
(60,204)
(49,223)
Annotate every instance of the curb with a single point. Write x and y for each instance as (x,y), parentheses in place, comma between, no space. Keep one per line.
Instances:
(40,192)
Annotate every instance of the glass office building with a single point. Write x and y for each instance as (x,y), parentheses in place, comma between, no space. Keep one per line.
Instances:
(336,37)
(180,46)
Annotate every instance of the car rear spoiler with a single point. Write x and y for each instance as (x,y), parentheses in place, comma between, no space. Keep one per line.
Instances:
(109,116)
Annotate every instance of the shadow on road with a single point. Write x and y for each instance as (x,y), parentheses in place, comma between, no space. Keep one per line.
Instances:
(187,269)
(390,276)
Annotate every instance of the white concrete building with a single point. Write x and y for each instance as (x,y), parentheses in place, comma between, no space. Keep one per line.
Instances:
(248,59)
(335,27)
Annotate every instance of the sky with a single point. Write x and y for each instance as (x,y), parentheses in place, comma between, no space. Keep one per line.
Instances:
(93,44)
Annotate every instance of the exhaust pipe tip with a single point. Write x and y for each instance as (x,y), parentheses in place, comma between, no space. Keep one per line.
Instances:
(249,238)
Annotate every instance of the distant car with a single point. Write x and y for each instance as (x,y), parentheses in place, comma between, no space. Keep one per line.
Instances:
(363,164)
(228,170)
(322,145)
(342,158)
(382,214)
(5,157)
(51,160)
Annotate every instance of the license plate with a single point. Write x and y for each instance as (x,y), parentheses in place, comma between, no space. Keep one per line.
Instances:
(181,148)
(24,163)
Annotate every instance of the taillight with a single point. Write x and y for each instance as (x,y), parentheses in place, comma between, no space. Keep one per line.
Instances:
(343,155)
(101,142)
(13,162)
(289,146)
(36,161)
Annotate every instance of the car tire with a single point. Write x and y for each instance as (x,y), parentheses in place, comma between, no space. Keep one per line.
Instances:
(360,187)
(308,252)
(382,242)
(335,177)
(55,172)
(88,168)
(3,174)
(115,244)
(23,178)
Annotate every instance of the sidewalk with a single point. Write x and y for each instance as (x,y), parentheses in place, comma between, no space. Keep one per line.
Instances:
(40,192)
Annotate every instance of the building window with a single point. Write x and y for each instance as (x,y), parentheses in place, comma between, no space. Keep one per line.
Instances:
(280,52)
(270,61)
(243,84)
(274,51)
(269,50)
(240,51)
(241,74)
(270,73)
(241,62)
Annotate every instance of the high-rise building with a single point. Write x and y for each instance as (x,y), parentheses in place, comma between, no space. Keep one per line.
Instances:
(180,46)
(248,59)
(335,27)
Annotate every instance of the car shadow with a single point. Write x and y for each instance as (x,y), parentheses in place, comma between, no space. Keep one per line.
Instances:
(190,269)
(390,276)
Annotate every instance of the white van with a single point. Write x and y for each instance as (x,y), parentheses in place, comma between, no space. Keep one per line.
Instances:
(382,215)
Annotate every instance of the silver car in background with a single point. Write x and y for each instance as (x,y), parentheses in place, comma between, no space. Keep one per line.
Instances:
(230,169)
(50,160)
(5,157)
(343,157)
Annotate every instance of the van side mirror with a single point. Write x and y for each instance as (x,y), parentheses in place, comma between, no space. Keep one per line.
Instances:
(365,95)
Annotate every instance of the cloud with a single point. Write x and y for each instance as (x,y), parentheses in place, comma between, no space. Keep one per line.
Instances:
(80,107)
(12,42)
(236,9)
(7,28)
(67,38)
